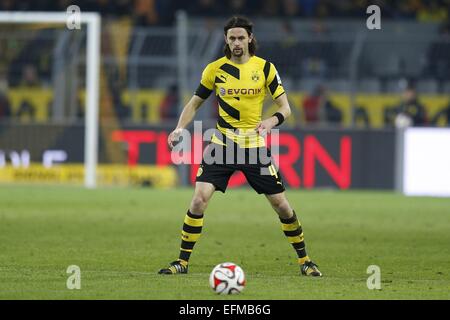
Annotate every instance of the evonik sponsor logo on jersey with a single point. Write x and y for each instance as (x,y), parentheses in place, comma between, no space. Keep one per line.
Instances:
(239,91)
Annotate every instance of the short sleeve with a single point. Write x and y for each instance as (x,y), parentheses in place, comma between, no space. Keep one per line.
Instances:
(206,85)
(273,80)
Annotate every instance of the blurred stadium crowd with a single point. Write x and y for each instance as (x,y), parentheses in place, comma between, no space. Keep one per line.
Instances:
(314,62)
(161,12)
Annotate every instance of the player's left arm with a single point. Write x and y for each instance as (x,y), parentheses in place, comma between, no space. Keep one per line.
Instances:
(284,109)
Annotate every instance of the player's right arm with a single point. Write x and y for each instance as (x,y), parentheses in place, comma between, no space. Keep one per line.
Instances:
(201,94)
(187,115)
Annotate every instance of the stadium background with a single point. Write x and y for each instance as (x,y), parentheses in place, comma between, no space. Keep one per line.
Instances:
(345,83)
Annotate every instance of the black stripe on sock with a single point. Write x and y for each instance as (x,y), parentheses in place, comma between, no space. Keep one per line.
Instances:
(289,220)
(299,245)
(190,215)
(301,253)
(184,255)
(186,245)
(190,229)
(293,233)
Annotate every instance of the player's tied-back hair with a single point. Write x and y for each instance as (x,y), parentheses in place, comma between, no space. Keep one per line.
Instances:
(240,22)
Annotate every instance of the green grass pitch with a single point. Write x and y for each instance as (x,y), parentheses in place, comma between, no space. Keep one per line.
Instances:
(121,237)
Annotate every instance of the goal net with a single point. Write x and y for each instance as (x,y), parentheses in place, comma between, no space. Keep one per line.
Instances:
(71,113)
(49,80)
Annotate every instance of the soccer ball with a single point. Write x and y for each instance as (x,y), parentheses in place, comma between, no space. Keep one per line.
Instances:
(227,278)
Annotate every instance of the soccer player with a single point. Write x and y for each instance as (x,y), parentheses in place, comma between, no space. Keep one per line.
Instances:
(240,81)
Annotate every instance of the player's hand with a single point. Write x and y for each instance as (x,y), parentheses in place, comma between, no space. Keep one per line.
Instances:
(174,136)
(265,126)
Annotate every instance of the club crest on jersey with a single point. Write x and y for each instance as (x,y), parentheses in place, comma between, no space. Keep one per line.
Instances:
(255,76)
(222,91)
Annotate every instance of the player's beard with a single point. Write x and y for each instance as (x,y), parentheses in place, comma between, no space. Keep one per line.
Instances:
(238,52)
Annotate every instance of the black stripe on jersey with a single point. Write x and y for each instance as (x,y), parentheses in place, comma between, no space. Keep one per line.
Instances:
(279,95)
(237,98)
(218,80)
(203,92)
(221,122)
(273,85)
(232,112)
(267,69)
(232,70)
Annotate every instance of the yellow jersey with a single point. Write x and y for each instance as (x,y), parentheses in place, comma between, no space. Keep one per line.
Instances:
(240,91)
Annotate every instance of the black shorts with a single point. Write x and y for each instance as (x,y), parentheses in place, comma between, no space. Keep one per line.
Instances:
(262,175)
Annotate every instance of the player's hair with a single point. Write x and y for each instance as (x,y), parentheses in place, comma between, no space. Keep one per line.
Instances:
(240,22)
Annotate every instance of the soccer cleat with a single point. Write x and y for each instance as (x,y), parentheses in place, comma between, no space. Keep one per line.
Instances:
(174,268)
(309,268)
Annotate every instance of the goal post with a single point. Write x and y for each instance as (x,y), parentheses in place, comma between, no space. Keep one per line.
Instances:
(93,23)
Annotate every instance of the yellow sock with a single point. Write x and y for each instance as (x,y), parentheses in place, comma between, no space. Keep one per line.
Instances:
(192,229)
(293,231)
